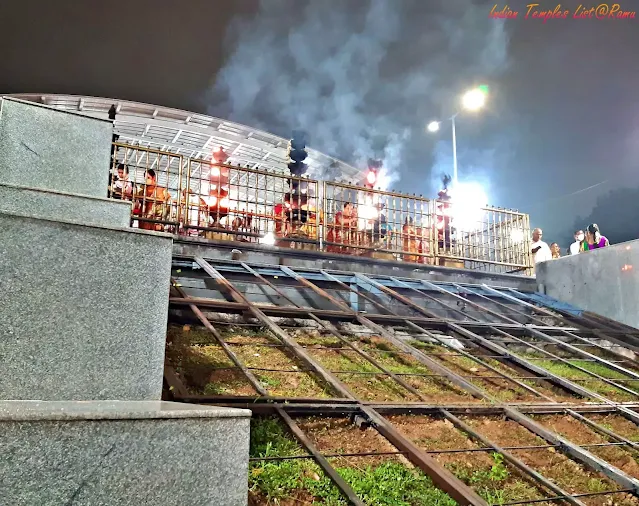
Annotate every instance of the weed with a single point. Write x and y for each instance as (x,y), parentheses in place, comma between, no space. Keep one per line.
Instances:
(597,485)
(214,389)
(268,381)
(498,471)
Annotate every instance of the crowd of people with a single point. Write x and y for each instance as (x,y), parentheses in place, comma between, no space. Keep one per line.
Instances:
(354,228)
(588,241)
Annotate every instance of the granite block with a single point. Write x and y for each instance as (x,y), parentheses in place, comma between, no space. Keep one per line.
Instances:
(42,147)
(53,205)
(155,457)
(602,281)
(84,310)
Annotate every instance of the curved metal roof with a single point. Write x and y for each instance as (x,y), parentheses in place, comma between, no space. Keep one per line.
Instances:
(197,135)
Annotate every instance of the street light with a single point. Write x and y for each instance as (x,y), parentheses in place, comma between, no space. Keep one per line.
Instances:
(433,126)
(472,100)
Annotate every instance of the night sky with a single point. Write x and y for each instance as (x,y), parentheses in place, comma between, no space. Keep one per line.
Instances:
(559,138)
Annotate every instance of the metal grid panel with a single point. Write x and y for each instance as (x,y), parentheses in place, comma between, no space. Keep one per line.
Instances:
(488,327)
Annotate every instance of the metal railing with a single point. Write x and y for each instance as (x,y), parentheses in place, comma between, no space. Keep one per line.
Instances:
(488,238)
(377,223)
(191,197)
(152,180)
(241,203)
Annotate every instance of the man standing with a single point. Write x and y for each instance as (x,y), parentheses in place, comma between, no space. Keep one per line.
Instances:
(540,250)
(575,247)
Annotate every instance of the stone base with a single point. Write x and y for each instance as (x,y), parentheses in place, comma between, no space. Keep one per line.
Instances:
(123,453)
(52,205)
(84,310)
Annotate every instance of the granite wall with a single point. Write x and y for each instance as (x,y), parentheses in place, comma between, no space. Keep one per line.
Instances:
(84,310)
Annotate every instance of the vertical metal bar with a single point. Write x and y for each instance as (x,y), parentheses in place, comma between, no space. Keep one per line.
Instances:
(510,458)
(225,347)
(339,482)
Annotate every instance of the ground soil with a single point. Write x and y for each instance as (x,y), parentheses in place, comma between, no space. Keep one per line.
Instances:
(504,390)
(339,435)
(579,433)
(616,423)
(205,368)
(566,473)
(474,468)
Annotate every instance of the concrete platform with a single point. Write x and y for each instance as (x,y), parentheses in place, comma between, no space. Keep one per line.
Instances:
(122,453)
(84,310)
(53,205)
(604,281)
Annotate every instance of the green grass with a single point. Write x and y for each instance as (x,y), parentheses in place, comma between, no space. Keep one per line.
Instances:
(568,371)
(388,484)
(495,484)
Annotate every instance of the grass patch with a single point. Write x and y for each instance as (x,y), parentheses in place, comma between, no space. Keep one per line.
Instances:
(569,372)
(494,484)
(301,480)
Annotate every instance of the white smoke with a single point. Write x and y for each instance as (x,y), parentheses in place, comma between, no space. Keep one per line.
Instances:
(361,77)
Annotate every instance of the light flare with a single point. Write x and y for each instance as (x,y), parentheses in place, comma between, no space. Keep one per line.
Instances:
(467,206)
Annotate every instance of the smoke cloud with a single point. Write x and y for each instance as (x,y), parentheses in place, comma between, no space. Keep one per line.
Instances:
(362,77)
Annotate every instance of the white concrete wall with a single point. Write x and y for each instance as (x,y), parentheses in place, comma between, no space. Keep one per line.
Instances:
(604,281)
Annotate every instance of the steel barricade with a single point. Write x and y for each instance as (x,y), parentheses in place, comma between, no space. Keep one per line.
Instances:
(378,224)
(227,202)
(487,238)
(151,180)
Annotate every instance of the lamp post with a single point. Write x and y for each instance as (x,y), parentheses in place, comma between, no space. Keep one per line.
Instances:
(472,100)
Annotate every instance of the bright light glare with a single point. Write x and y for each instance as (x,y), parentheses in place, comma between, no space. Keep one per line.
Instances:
(517,235)
(474,99)
(366,213)
(433,126)
(467,202)
(268,239)
(371,177)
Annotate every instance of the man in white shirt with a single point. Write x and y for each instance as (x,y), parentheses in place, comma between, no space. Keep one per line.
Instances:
(540,250)
(575,247)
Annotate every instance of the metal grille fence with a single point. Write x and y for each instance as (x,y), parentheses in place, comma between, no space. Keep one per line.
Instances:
(488,238)
(377,223)
(237,203)
(218,201)
(151,180)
